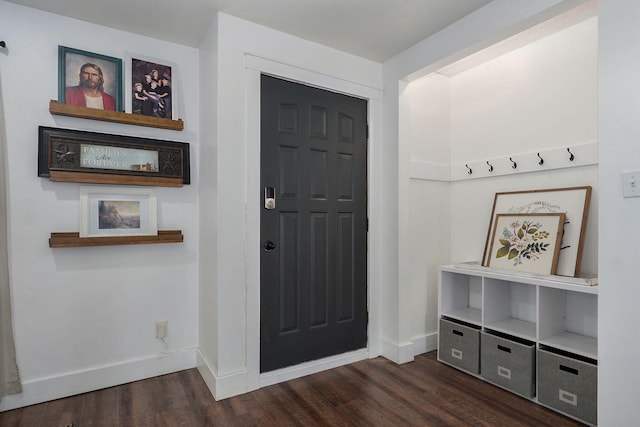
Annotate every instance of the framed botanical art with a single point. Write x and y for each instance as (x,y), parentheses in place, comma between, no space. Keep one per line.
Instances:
(117,211)
(572,201)
(527,243)
(87,79)
(151,88)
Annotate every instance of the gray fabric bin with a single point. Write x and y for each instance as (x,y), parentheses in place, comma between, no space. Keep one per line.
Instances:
(568,385)
(459,345)
(508,363)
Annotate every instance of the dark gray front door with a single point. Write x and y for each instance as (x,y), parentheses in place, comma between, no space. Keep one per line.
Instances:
(313,273)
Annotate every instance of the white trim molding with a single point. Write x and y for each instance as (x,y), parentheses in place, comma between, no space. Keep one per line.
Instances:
(425,343)
(221,386)
(540,161)
(398,353)
(99,377)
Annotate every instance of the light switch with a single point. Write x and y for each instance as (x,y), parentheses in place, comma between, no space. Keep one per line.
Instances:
(631,184)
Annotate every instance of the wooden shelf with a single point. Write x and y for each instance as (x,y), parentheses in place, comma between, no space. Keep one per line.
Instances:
(103,178)
(73,239)
(113,116)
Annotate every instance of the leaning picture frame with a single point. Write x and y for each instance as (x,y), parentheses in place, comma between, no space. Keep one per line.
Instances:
(143,72)
(526,243)
(88,79)
(118,211)
(97,158)
(573,201)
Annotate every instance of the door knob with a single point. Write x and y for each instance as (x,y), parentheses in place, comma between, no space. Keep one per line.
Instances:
(269,245)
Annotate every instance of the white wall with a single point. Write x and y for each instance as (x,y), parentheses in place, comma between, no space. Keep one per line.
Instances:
(229,333)
(536,98)
(208,250)
(430,133)
(85,318)
(619,128)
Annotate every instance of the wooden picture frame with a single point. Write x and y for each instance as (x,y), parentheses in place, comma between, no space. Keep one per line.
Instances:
(118,211)
(144,71)
(573,201)
(528,243)
(83,73)
(79,156)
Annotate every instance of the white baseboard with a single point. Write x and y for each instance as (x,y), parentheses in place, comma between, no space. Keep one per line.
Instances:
(72,383)
(399,354)
(405,353)
(234,384)
(425,343)
(221,386)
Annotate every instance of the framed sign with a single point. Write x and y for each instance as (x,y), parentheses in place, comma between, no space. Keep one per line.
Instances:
(80,156)
(118,211)
(574,202)
(526,242)
(87,79)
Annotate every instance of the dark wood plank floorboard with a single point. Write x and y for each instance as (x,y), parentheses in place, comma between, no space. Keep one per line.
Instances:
(374,392)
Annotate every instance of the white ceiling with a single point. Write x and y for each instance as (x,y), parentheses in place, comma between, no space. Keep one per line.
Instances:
(373,29)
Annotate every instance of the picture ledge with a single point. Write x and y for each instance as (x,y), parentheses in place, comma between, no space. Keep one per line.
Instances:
(73,239)
(114,116)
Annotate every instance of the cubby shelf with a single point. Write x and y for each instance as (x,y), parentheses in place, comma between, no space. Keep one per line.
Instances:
(552,316)
(113,116)
(546,309)
(73,239)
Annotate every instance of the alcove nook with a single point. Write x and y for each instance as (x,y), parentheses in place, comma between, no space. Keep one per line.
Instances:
(520,115)
(530,97)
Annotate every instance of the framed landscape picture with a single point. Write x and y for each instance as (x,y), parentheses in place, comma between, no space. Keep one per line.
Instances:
(117,211)
(151,88)
(574,202)
(87,79)
(527,243)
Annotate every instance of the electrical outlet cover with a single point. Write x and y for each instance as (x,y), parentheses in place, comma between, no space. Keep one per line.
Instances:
(161,329)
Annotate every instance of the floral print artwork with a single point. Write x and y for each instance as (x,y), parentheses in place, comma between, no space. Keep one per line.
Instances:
(523,241)
(528,242)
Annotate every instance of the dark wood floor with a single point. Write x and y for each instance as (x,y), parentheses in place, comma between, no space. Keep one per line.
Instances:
(369,393)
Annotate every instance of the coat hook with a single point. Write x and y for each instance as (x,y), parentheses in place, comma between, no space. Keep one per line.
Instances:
(541,161)
(514,165)
(571,157)
(2,43)
(469,171)
(490,167)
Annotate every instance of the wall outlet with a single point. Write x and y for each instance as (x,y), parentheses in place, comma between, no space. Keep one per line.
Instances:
(161,329)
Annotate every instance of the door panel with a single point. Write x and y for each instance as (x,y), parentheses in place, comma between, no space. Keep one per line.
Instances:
(313,288)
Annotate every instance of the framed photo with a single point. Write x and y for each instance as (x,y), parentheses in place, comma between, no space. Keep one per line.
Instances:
(527,243)
(574,202)
(79,156)
(118,211)
(88,79)
(151,87)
